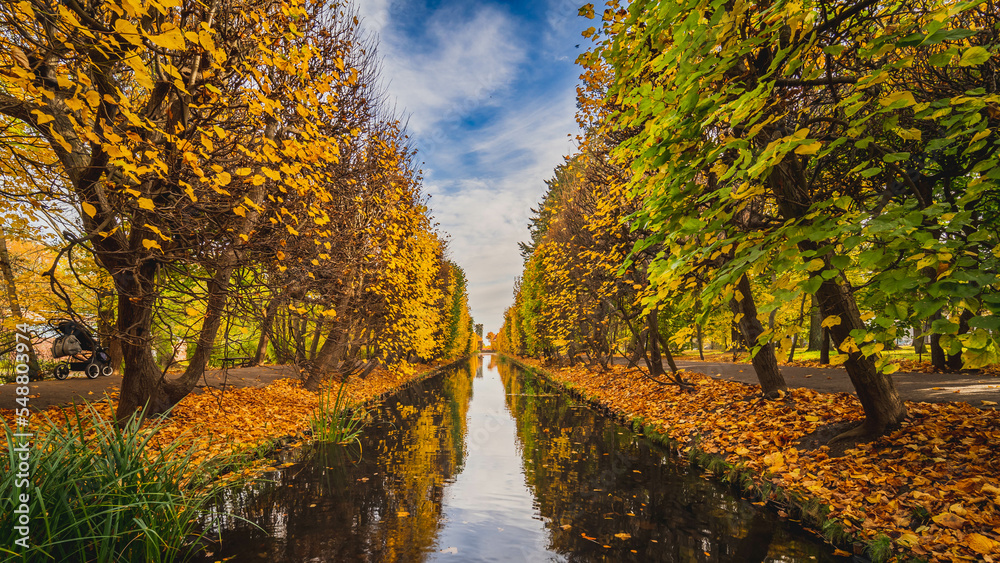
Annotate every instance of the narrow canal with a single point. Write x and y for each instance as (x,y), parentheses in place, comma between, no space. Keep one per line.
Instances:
(487,463)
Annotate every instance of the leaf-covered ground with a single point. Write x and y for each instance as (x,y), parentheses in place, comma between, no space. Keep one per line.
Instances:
(239,419)
(932,486)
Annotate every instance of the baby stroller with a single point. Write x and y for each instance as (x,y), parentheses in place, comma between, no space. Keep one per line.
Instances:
(81,348)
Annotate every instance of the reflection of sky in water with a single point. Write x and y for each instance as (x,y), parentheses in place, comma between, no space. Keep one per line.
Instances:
(488,509)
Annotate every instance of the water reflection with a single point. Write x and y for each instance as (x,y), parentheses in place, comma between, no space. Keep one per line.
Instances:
(492,465)
(608,494)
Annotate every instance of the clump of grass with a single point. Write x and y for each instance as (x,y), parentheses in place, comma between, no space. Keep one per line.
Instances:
(333,421)
(96,494)
(880,548)
(834,532)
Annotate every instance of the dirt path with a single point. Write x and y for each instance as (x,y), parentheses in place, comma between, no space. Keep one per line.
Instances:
(77,387)
(928,387)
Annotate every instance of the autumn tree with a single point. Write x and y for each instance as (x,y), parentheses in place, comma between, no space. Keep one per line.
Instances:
(809,109)
(178,129)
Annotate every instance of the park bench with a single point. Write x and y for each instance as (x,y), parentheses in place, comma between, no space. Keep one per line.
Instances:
(242,361)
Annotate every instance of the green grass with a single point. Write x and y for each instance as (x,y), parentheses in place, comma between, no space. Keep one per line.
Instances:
(333,421)
(97,496)
(880,548)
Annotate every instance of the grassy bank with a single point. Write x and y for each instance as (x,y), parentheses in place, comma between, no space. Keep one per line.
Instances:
(928,491)
(103,493)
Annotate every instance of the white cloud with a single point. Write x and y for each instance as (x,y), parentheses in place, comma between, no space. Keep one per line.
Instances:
(464,62)
(487,214)
(461,60)
(374,13)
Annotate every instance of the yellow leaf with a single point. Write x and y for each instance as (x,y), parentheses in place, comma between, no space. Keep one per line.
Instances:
(146,203)
(191,312)
(241,211)
(150,244)
(896,96)
(129,31)
(980,543)
(811,148)
(88,209)
(832,320)
(172,39)
(223,179)
(838,359)
(43,118)
(93,98)
(156,230)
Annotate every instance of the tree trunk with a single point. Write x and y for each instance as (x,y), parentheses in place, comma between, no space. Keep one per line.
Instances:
(34,370)
(919,341)
(142,379)
(876,391)
(665,346)
(824,348)
(701,345)
(317,336)
(655,361)
(882,405)
(955,360)
(795,338)
(816,332)
(265,329)
(638,344)
(765,363)
(938,359)
(108,335)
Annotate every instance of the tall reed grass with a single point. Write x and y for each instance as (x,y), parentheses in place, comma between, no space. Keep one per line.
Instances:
(98,495)
(333,420)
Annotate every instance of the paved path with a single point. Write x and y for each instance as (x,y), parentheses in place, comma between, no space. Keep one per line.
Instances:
(929,387)
(78,388)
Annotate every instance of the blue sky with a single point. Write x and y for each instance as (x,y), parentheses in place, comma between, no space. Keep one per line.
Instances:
(489,89)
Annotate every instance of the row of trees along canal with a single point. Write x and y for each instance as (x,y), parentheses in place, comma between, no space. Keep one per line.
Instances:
(223,171)
(750,161)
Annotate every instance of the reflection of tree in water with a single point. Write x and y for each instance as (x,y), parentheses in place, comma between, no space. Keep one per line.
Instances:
(591,476)
(379,502)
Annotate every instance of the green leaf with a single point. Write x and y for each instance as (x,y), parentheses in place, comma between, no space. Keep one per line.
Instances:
(947,35)
(987,323)
(943,58)
(974,56)
(944,326)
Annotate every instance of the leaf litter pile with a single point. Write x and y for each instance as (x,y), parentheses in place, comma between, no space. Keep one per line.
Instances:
(932,486)
(240,419)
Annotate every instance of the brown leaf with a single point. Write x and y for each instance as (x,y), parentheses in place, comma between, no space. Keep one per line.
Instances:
(949,520)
